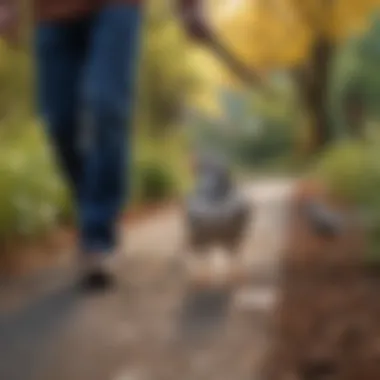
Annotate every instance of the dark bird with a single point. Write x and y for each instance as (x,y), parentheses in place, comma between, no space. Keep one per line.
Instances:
(325,222)
(216,212)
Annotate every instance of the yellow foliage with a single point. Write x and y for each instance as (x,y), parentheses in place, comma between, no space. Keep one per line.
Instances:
(210,71)
(335,19)
(267,33)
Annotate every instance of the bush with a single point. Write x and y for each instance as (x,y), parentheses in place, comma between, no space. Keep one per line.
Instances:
(161,167)
(154,182)
(351,170)
(16,87)
(32,197)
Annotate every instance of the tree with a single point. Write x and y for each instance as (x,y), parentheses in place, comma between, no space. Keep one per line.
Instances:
(301,35)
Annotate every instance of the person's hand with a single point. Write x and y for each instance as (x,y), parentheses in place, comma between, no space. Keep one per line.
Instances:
(192,16)
(9,20)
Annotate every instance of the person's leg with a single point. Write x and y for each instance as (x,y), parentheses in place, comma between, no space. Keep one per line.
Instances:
(60,56)
(108,98)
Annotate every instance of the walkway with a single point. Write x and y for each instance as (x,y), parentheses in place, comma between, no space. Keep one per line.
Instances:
(154,327)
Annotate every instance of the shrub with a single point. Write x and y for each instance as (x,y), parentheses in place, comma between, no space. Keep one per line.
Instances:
(32,196)
(351,170)
(154,182)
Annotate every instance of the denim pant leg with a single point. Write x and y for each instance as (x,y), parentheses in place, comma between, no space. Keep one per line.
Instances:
(108,99)
(60,49)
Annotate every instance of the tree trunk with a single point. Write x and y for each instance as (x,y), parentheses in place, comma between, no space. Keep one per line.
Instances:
(313,82)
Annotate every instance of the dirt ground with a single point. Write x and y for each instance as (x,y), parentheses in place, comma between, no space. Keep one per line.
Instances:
(328,317)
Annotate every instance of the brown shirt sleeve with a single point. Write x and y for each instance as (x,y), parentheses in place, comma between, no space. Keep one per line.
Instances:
(9,20)
(50,10)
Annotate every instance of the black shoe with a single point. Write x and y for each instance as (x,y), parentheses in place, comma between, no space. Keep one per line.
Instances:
(97,272)
(97,281)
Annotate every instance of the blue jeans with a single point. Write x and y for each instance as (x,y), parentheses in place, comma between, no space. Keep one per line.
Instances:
(86,71)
